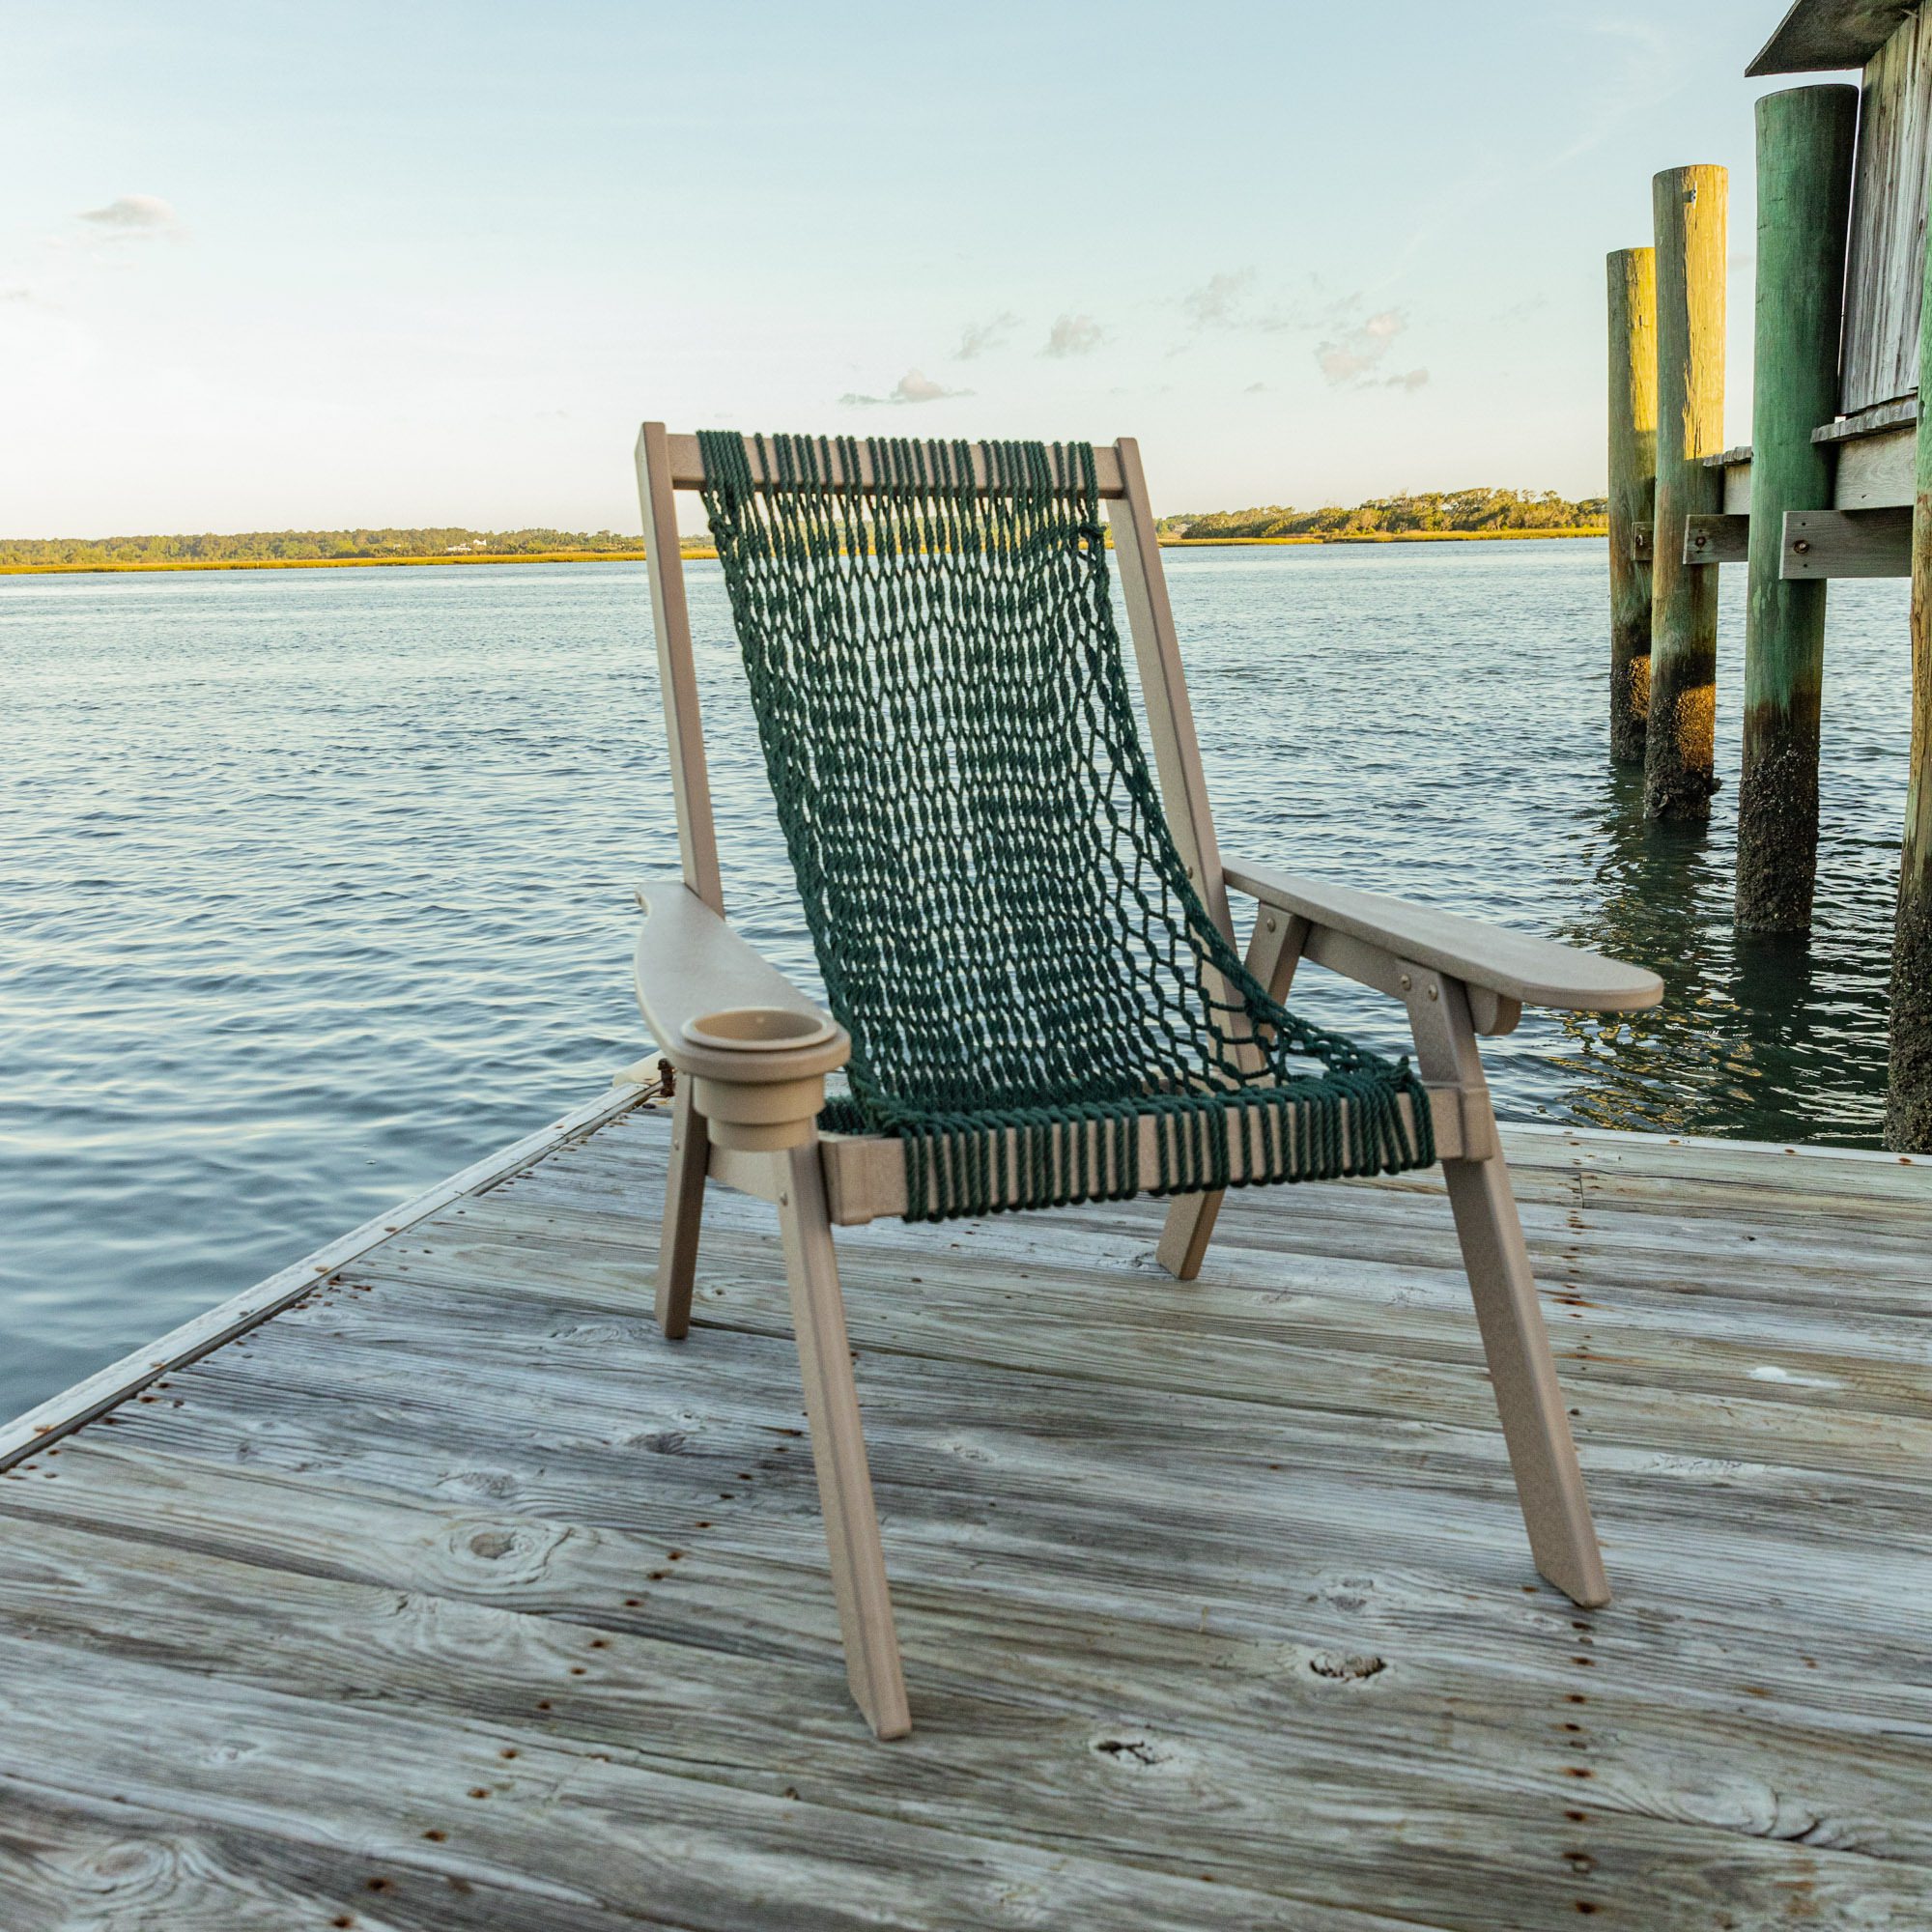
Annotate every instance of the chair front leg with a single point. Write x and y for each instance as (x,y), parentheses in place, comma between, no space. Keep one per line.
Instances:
(838,1446)
(1542,1451)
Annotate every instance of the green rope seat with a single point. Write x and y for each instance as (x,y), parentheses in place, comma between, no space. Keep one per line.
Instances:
(1003,922)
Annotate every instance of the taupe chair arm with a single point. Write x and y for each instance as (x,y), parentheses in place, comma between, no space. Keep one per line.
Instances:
(1512,966)
(717,1007)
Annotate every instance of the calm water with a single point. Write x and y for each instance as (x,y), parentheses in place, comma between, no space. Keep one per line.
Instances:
(317,883)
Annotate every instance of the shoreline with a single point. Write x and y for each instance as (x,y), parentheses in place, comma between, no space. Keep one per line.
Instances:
(331,563)
(1571,531)
(707,554)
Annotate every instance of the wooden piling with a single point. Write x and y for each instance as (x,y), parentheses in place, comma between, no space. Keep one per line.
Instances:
(1689,205)
(1806,137)
(1633,316)
(1908,1107)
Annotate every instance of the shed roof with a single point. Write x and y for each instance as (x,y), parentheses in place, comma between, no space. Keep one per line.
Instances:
(1817,35)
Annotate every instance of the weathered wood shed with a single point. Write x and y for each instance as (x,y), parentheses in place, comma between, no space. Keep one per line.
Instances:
(1891,41)
(1872,432)
(1878,370)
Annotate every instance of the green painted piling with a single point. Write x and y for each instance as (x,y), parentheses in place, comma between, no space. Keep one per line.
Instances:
(1680,737)
(1908,1109)
(1631,275)
(1806,137)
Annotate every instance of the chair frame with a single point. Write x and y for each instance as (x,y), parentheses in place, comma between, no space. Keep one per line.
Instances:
(754,1051)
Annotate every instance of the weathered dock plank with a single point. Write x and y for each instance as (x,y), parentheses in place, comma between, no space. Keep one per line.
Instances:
(1214,1600)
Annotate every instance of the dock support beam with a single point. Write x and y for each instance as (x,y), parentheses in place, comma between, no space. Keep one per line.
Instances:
(1908,1107)
(1689,206)
(1806,137)
(1633,313)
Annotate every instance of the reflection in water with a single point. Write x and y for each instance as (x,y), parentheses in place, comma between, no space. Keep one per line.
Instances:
(1435,727)
(1755,1038)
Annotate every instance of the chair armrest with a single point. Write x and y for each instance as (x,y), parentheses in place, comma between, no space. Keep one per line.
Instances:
(693,969)
(1512,965)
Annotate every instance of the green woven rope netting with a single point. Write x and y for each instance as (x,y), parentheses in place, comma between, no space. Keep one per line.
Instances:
(1004,924)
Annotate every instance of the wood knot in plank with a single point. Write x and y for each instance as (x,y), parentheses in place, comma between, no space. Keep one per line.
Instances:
(492,1554)
(1346,1668)
(1131,1751)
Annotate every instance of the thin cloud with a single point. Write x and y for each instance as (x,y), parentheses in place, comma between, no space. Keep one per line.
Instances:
(1410,380)
(914,387)
(1520,311)
(977,337)
(1343,365)
(134,217)
(1655,66)
(1074,336)
(1350,360)
(1216,302)
(1310,311)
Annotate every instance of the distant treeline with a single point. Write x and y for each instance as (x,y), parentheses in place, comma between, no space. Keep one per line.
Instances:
(308,547)
(1449,513)
(1443,513)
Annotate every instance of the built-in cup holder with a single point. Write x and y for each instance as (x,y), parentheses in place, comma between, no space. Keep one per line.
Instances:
(758,1029)
(763,1084)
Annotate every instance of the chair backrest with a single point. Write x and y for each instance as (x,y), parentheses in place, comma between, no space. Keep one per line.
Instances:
(667,464)
(1000,905)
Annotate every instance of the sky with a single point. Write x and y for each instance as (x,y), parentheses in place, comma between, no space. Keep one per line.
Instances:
(273,267)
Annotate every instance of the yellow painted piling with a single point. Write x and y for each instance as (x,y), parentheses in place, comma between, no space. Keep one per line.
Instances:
(1689,206)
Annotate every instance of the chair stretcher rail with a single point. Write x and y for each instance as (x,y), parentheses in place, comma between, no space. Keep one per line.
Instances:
(865,1175)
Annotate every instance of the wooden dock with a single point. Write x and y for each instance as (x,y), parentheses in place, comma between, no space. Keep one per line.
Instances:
(453,1596)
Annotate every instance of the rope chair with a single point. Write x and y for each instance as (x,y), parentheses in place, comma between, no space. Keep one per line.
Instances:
(1035,995)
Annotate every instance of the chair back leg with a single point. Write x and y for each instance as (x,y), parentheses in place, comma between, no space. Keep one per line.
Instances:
(1542,1451)
(838,1446)
(684,1209)
(1186,1232)
(1274,950)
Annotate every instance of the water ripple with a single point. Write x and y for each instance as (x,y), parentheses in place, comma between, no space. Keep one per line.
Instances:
(318,883)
